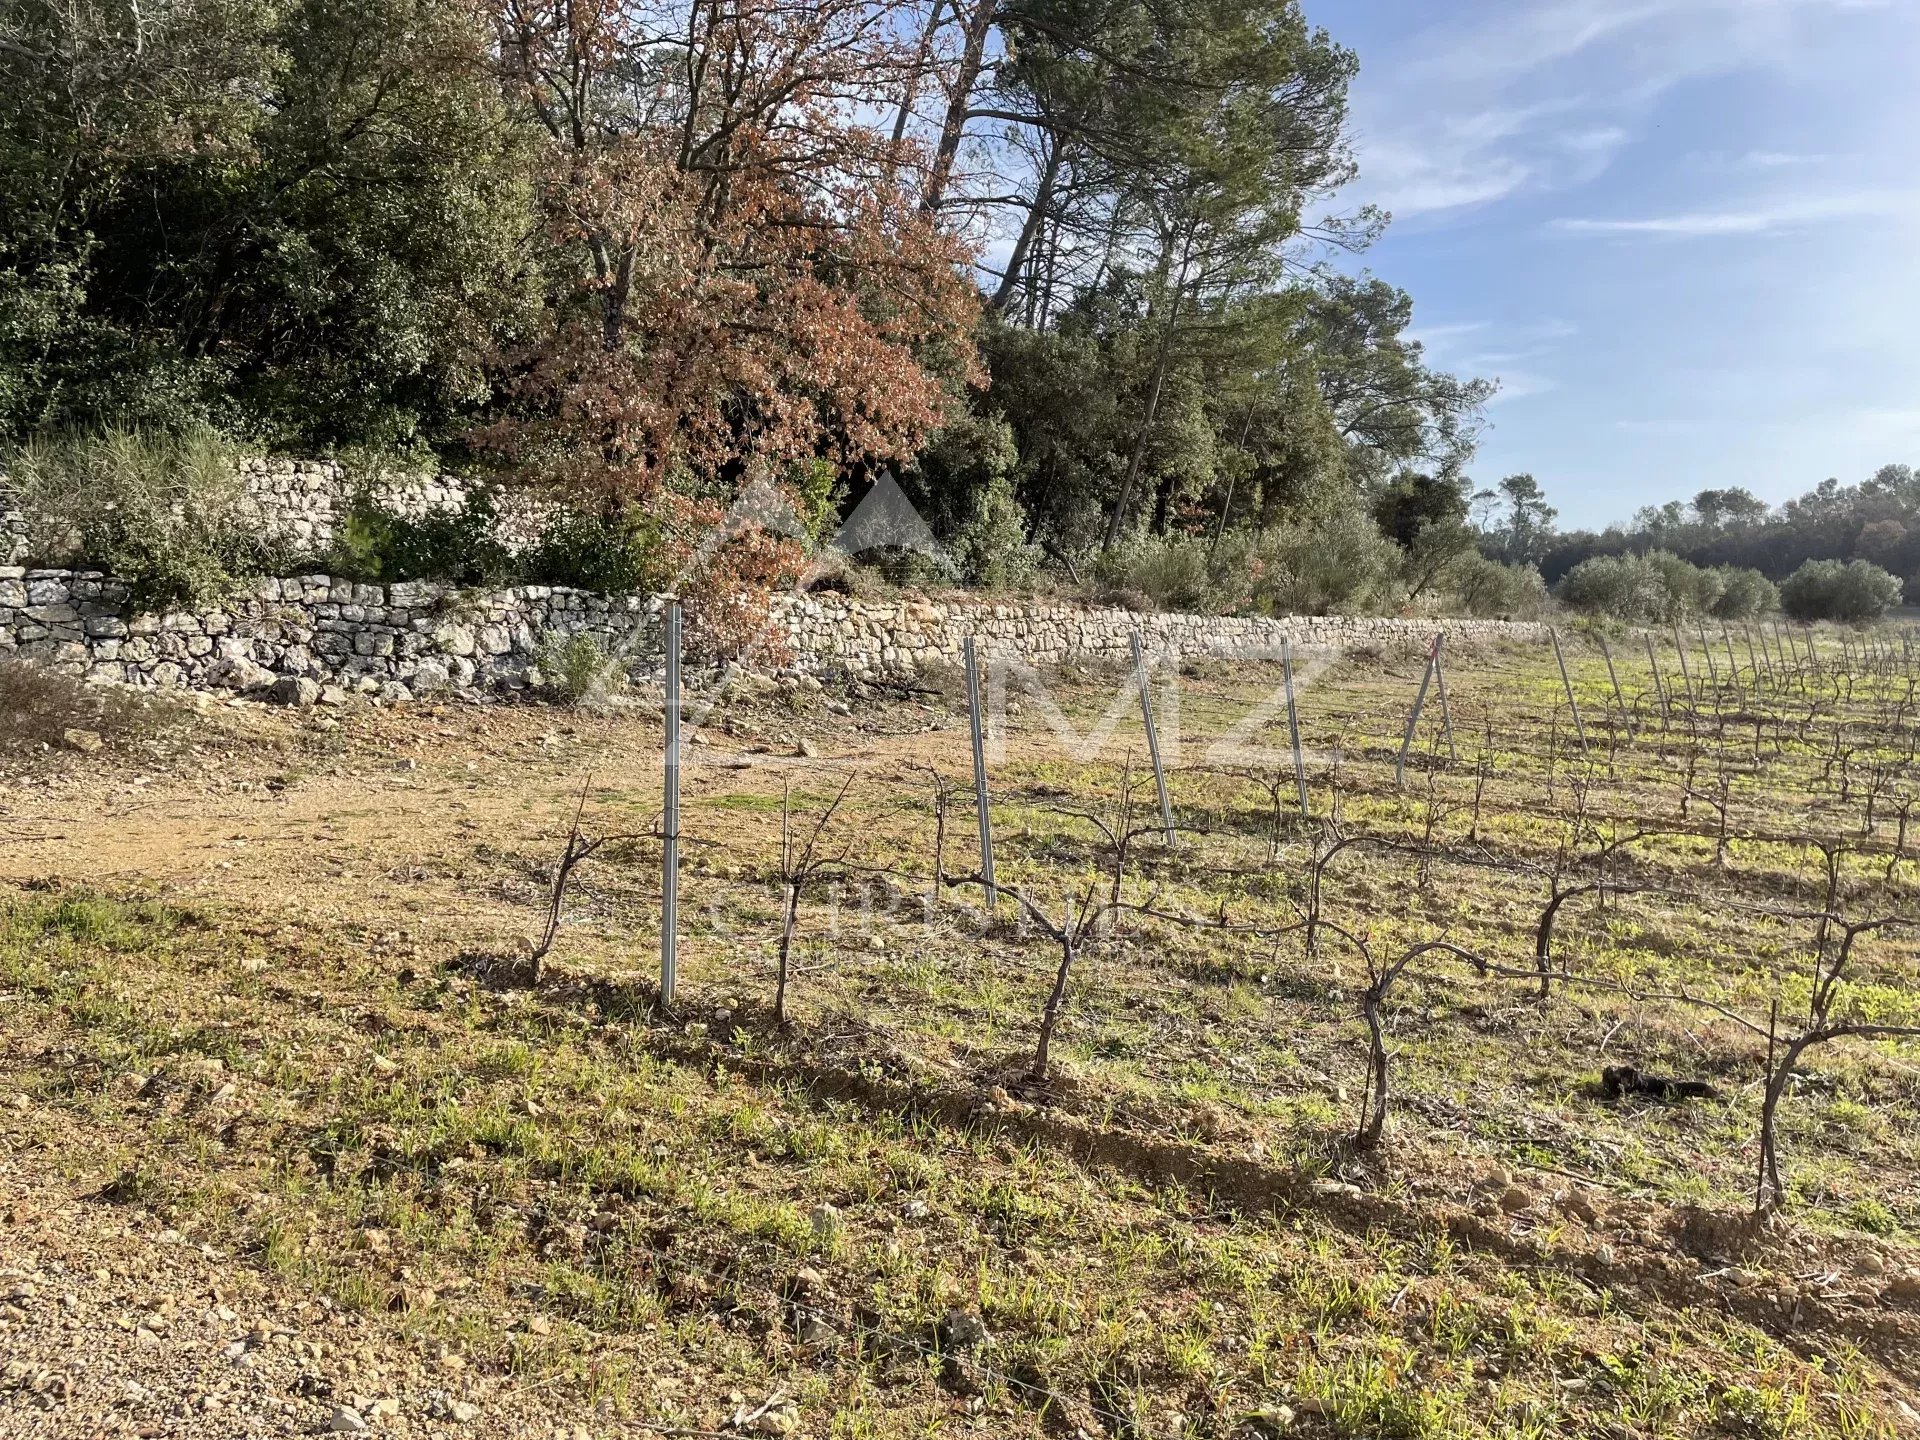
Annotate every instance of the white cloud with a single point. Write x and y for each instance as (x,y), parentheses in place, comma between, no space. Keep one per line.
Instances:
(1454,162)
(1721,162)
(1519,384)
(1440,337)
(1515,360)
(1697,36)
(1482,157)
(1778,159)
(1408,183)
(1659,427)
(1518,41)
(1784,214)
(1470,117)
(1594,140)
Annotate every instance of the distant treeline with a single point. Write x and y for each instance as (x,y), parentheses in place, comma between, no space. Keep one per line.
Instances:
(1876,521)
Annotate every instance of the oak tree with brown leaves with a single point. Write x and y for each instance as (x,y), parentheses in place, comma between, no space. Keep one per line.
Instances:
(744,281)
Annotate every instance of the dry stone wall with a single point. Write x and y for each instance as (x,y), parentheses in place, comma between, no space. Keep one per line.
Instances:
(299,637)
(308,633)
(303,503)
(13,532)
(301,506)
(833,633)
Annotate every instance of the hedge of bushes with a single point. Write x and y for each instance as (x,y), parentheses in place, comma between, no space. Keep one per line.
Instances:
(1853,590)
(1659,588)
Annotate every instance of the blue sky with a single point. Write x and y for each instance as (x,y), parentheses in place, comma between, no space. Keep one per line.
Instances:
(1682,233)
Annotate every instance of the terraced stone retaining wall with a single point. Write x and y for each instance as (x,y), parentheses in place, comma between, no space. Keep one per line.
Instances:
(306,633)
(832,633)
(302,505)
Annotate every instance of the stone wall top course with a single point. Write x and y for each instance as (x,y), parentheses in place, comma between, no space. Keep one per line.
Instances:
(414,638)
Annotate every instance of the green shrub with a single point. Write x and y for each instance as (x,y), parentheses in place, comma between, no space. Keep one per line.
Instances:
(1870,1215)
(1490,590)
(166,513)
(817,490)
(363,542)
(1744,594)
(1164,574)
(1660,588)
(580,669)
(947,480)
(880,569)
(1339,564)
(990,548)
(1853,590)
(1693,591)
(609,554)
(1610,585)
(456,547)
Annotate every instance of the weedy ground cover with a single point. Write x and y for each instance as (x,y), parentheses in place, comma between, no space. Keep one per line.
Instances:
(335,1064)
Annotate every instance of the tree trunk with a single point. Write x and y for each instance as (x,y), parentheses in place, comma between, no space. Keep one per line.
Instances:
(788,922)
(1050,1017)
(1160,366)
(919,68)
(1373,1118)
(958,103)
(1163,503)
(1134,461)
(1125,498)
(619,290)
(1042,197)
(1543,935)
(1233,480)
(1769,1109)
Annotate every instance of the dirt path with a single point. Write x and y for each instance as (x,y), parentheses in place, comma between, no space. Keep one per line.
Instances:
(392,818)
